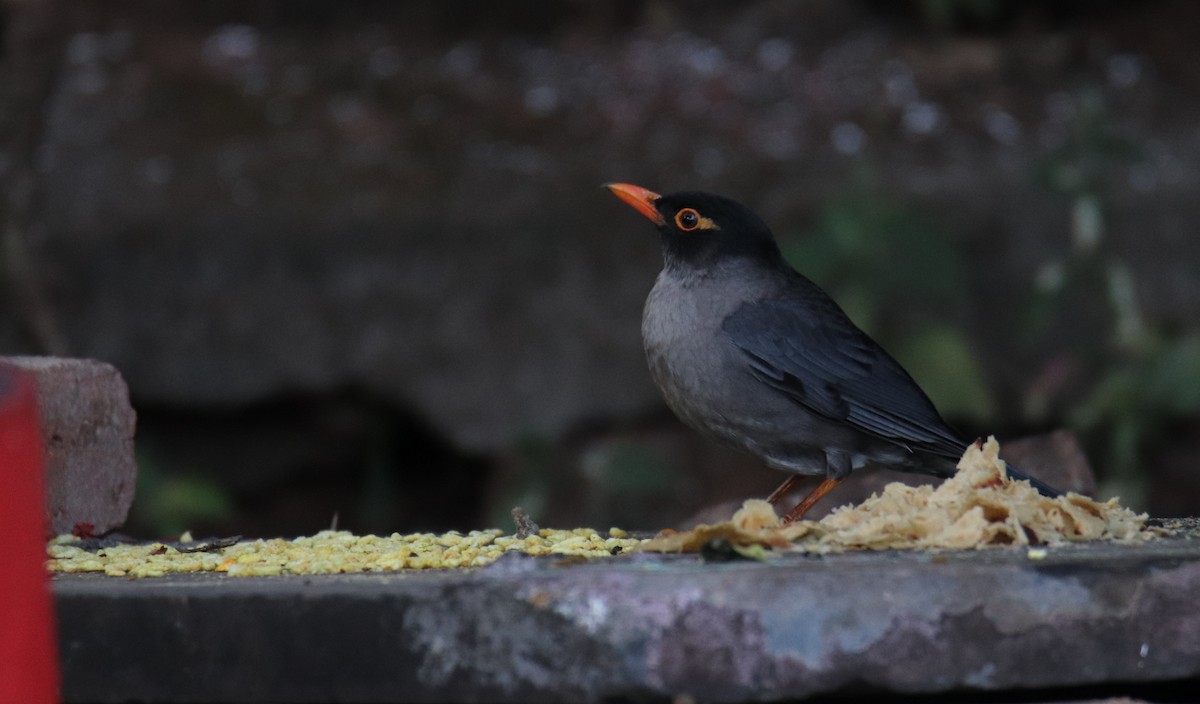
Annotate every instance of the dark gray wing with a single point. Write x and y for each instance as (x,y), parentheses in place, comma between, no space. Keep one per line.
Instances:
(804,346)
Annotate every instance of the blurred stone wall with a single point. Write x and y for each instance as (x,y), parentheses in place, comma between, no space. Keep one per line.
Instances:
(234,201)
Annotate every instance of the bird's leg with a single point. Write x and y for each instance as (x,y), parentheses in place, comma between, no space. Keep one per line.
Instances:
(813,497)
(783,489)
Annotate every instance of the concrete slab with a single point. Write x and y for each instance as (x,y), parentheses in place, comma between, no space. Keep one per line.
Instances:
(645,627)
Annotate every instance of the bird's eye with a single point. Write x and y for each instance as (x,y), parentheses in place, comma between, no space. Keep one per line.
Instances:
(687,219)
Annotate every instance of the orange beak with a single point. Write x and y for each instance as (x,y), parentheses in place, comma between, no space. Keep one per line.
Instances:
(641,199)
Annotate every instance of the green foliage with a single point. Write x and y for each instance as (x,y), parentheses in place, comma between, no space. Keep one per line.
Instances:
(869,252)
(611,475)
(866,248)
(626,468)
(941,359)
(1147,377)
(533,464)
(1093,148)
(168,504)
(1133,403)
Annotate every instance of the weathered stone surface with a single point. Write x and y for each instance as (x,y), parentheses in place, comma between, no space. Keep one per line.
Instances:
(87,426)
(645,627)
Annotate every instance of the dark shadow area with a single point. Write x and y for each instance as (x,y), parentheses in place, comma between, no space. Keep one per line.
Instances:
(298,464)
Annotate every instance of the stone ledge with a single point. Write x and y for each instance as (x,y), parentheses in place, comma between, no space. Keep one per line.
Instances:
(644,626)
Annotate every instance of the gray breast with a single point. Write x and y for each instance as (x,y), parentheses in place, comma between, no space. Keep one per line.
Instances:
(705,379)
(688,355)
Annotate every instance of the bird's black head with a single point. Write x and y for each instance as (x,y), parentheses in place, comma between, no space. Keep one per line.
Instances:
(699,229)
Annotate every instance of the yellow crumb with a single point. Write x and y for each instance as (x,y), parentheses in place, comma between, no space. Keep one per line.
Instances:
(977,507)
(330,552)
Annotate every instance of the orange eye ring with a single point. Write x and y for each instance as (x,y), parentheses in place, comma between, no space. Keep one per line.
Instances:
(687,219)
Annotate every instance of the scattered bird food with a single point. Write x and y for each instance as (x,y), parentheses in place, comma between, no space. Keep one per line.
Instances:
(978,507)
(330,552)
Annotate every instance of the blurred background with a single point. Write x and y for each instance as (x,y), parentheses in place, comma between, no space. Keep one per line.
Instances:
(355,263)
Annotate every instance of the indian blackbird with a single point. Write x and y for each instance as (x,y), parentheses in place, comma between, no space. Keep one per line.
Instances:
(754,355)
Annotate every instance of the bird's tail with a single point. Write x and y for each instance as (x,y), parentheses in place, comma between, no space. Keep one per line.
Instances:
(1043,488)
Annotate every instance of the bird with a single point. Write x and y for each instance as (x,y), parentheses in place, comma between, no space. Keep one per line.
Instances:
(752,354)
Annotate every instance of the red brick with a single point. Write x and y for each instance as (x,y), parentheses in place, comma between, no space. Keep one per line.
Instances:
(87,431)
